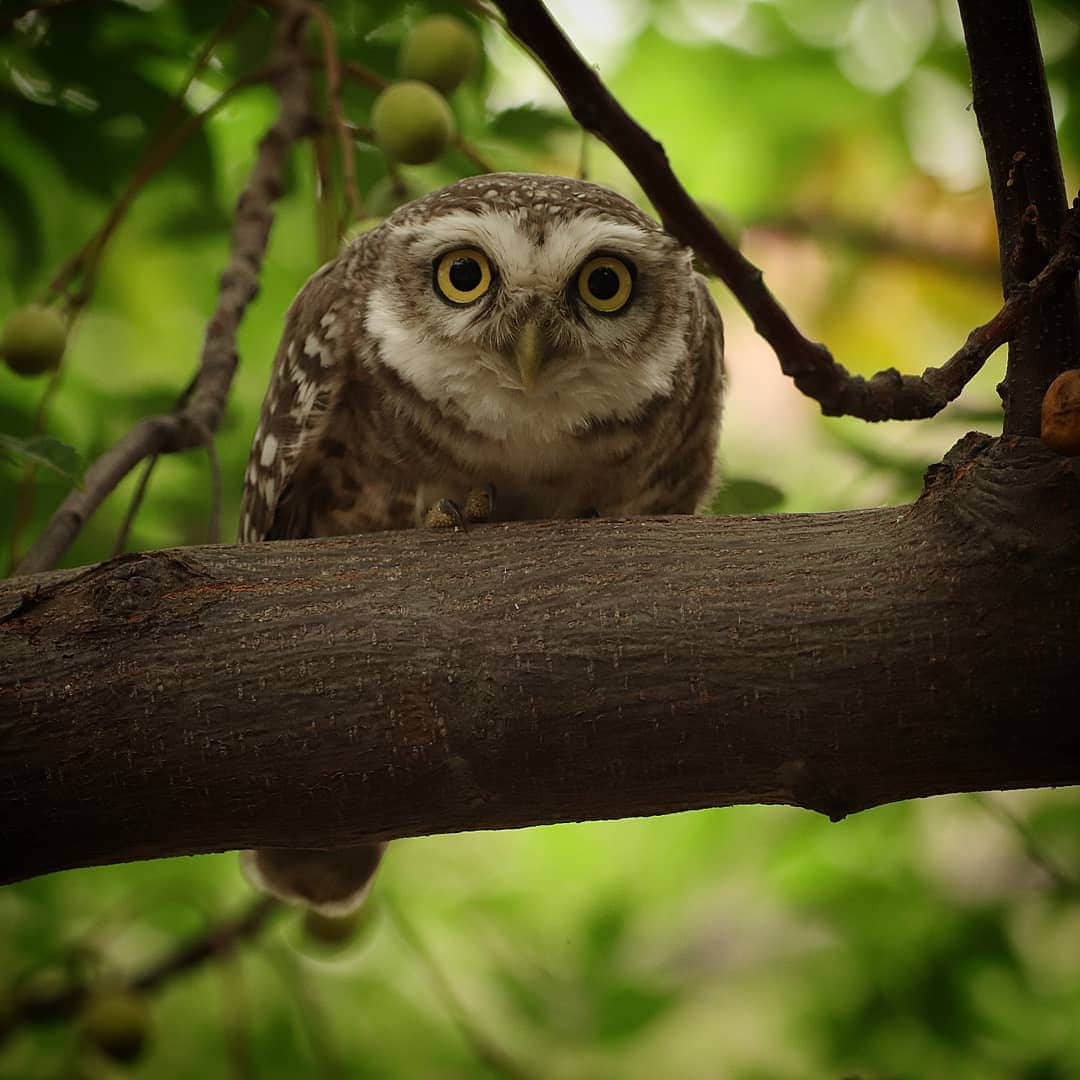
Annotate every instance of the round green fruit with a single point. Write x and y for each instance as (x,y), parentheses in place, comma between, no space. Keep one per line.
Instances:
(33,339)
(413,123)
(117,1022)
(442,51)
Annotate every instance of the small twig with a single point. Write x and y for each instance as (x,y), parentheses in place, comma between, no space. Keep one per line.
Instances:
(483,1047)
(234,1008)
(239,283)
(215,488)
(361,74)
(583,156)
(888,395)
(312,1013)
(24,498)
(332,63)
(485,11)
(473,154)
(327,222)
(1063,878)
(165,141)
(133,507)
(218,941)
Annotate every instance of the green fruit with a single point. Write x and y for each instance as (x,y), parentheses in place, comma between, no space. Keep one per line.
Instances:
(412,122)
(117,1022)
(33,339)
(442,51)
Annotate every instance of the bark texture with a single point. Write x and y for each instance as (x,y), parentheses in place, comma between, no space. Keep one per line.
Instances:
(335,691)
(1012,104)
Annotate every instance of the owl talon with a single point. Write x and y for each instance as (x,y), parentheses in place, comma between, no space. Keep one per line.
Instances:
(480,504)
(445,514)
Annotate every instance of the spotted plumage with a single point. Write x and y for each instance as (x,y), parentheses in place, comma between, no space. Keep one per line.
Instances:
(535,334)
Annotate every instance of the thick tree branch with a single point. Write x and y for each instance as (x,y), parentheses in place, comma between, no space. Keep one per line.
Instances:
(888,395)
(1016,122)
(349,689)
(200,415)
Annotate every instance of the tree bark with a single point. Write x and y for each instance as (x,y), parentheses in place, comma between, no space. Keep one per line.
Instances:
(333,691)
(1016,122)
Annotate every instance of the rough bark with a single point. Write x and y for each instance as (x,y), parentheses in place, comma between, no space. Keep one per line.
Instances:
(340,690)
(1012,104)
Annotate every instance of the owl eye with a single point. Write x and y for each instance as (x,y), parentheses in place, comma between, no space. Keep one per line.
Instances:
(605,283)
(462,275)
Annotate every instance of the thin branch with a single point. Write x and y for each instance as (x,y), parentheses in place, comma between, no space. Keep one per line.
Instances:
(24,498)
(1066,881)
(1012,104)
(133,507)
(473,154)
(239,283)
(215,488)
(220,940)
(236,1016)
(332,63)
(328,1059)
(483,1047)
(160,149)
(886,395)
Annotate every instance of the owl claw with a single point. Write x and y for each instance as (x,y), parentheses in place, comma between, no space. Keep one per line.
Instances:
(480,504)
(445,514)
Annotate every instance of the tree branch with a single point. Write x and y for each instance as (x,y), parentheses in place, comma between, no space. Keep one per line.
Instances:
(351,689)
(888,395)
(205,403)
(219,940)
(1012,104)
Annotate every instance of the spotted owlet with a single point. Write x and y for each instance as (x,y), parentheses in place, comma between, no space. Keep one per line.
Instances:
(510,347)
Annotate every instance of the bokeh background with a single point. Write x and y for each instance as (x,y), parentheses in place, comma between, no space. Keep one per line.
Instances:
(938,938)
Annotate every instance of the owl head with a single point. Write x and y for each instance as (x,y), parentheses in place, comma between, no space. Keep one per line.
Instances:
(530,306)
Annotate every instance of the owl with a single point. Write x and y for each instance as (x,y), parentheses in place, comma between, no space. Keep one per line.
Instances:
(510,347)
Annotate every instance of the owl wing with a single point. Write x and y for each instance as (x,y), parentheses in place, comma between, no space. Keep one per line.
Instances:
(314,361)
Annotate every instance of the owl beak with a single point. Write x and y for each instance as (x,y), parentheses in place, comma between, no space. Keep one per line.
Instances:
(530,352)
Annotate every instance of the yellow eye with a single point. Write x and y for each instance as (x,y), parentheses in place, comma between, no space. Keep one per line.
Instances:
(605,284)
(462,275)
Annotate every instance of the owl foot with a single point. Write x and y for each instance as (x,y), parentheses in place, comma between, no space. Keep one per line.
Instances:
(480,504)
(445,514)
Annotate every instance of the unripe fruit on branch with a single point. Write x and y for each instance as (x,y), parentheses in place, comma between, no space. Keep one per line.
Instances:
(412,122)
(1061,413)
(117,1022)
(442,51)
(33,339)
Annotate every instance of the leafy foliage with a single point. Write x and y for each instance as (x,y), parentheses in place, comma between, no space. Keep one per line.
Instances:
(912,941)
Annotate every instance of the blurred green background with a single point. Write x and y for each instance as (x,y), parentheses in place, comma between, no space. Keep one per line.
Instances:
(939,938)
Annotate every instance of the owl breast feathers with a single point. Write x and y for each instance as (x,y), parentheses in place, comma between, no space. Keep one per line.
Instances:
(535,333)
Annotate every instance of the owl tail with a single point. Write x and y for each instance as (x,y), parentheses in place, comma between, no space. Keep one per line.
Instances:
(334,882)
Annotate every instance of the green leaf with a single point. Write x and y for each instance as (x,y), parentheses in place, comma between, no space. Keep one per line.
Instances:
(739,496)
(46,451)
(529,124)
